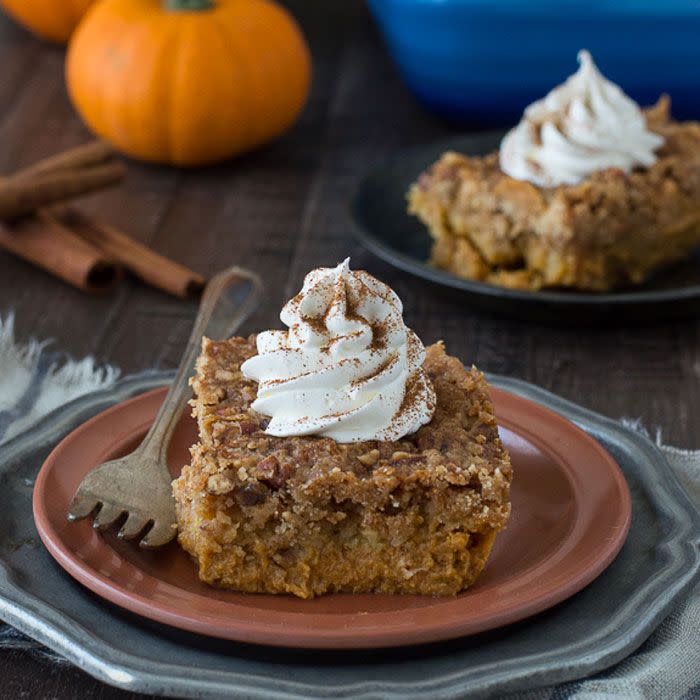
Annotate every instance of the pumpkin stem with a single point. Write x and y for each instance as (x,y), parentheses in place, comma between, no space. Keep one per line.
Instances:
(188,5)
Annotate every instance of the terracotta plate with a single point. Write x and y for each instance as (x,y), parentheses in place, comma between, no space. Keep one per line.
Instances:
(571,514)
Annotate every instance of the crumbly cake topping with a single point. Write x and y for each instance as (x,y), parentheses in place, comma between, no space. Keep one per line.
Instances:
(347,368)
(459,449)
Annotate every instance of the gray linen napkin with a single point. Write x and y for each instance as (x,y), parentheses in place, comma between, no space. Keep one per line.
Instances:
(34,381)
(667,665)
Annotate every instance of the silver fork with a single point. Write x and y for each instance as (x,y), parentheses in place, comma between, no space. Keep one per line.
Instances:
(138,485)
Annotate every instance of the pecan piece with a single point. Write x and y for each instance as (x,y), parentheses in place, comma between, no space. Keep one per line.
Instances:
(272,473)
(252,494)
(248,427)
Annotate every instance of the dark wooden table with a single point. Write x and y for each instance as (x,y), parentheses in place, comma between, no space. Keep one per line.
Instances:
(282,211)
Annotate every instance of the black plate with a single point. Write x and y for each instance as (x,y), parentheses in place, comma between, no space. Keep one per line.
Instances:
(384,227)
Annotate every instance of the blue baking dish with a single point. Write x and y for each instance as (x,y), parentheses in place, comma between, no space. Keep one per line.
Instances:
(483,61)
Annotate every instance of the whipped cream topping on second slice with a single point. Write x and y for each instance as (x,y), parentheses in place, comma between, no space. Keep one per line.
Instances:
(348,368)
(585,125)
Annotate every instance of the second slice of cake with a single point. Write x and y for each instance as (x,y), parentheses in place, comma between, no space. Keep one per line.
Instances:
(587,192)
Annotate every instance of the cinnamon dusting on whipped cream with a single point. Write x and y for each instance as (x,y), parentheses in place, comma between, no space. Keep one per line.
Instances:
(348,368)
(585,125)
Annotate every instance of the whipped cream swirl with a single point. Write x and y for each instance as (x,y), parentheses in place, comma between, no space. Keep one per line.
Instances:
(347,368)
(585,125)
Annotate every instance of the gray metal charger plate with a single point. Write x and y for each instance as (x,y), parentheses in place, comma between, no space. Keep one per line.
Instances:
(378,212)
(591,631)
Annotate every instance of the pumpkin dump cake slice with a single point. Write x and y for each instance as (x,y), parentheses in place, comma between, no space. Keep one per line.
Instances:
(340,455)
(587,192)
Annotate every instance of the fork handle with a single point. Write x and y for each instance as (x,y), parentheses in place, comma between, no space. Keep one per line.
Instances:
(229,298)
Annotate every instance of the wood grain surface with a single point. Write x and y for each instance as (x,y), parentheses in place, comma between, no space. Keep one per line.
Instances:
(282,211)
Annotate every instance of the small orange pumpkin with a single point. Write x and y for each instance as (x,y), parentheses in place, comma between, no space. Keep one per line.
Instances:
(50,19)
(188,82)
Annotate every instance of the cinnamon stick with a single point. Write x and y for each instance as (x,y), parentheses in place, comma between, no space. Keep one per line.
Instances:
(24,195)
(84,156)
(54,229)
(154,269)
(45,242)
